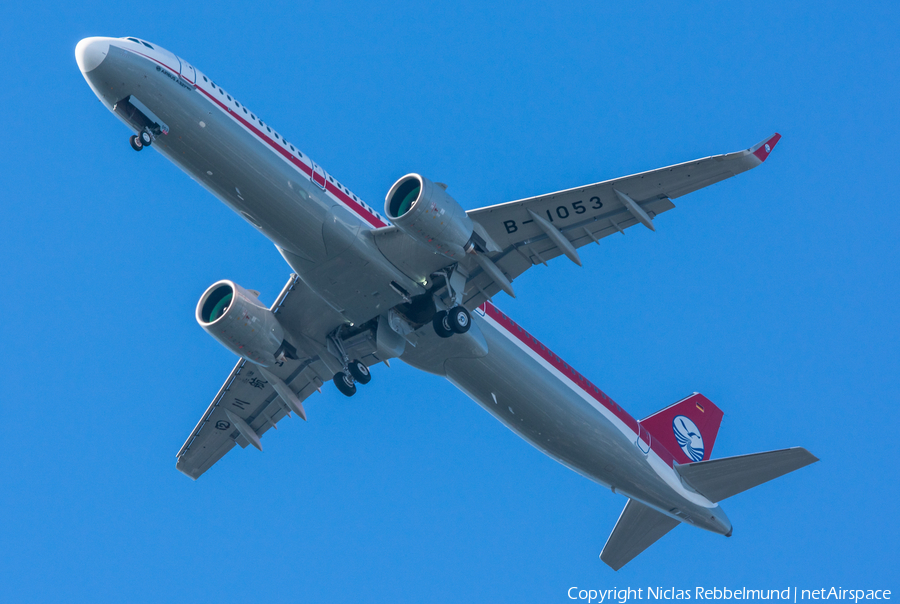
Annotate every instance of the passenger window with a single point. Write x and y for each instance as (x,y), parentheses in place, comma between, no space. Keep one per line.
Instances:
(245,110)
(229,96)
(204,79)
(269,129)
(292,147)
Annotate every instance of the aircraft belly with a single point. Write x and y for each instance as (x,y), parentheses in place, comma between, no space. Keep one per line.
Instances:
(552,417)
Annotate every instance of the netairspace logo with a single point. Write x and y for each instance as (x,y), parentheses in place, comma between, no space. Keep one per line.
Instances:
(791,594)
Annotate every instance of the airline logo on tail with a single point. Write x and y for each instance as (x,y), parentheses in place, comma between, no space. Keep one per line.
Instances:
(687,429)
(688,436)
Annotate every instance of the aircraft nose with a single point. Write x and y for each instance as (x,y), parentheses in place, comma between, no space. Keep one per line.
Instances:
(90,52)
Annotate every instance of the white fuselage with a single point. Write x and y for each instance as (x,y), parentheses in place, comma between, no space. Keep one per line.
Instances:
(324,231)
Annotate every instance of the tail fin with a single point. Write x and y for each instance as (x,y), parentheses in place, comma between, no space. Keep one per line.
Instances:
(721,478)
(687,429)
(638,528)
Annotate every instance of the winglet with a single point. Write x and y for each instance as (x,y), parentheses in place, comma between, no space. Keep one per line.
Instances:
(762,150)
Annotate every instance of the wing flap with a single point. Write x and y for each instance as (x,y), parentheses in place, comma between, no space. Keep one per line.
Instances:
(638,527)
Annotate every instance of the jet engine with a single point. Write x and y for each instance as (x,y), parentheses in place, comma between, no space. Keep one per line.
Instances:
(240,322)
(423,210)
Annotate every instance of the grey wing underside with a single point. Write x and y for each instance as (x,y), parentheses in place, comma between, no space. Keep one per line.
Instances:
(248,395)
(581,215)
(638,528)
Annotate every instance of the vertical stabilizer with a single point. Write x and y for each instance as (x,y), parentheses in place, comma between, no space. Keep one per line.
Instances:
(687,429)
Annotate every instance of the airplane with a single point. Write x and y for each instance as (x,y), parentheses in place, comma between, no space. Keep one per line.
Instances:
(417,283)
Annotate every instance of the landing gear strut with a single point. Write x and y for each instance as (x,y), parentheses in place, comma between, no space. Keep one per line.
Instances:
(354,371)
(457,319)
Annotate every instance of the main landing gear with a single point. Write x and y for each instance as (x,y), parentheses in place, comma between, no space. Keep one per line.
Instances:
(346,381)
(448,322)
(355,371)
(141,140)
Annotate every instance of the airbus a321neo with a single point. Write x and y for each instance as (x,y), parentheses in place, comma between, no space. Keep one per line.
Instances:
(417,283)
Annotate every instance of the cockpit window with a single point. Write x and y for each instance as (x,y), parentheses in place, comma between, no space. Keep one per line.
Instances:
(134,40)
(147,45)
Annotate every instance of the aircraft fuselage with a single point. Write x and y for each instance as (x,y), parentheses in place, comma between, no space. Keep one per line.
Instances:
(324,232)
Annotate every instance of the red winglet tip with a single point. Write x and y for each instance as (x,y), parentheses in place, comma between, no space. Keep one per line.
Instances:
(763,149)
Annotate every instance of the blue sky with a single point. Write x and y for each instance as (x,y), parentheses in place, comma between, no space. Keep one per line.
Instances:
(774,294)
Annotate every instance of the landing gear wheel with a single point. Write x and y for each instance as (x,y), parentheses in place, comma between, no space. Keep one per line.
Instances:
(145,138)
(459,319)
(135,143)
(441,323)
(345,384)
(360,372)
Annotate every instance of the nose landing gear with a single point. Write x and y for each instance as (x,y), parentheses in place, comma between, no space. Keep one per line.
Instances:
(141,140)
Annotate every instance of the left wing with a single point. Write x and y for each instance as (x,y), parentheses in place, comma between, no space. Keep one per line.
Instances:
(638,528)
(534,230)
(247,404)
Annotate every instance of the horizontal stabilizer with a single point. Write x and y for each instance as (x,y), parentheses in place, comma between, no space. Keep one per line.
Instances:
(719,479)
(638,528)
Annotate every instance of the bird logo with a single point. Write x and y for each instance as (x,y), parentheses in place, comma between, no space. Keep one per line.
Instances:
(688,436)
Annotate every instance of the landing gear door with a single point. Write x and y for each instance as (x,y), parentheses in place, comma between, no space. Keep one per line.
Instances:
(188,73)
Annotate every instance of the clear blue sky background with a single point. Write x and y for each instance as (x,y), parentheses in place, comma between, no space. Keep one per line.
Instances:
(774,293)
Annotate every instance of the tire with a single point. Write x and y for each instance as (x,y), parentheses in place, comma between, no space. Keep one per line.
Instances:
(344,384)
(145,138)
(442,324)
(459,319)
(360,372)
(135,143)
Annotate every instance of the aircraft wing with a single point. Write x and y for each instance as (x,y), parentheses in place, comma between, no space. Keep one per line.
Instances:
(534,230)
(247,404)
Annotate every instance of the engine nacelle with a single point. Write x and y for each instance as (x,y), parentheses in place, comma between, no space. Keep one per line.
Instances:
(423,210)
(241,323)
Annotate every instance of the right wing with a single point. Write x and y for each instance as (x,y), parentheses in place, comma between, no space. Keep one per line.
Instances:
(718,479)
(247,396)
(576,217)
